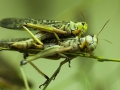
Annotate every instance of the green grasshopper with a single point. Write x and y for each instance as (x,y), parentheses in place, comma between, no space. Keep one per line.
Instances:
(65,28)
(55,52)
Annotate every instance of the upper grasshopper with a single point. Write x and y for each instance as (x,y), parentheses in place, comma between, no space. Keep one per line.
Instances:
(66,28)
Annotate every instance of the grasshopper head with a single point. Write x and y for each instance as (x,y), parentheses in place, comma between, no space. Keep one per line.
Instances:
(78,28)
(91,42)
(81,27)
(85,26)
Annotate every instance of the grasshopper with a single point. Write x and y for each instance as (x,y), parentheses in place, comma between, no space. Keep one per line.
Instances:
(65,28)
(55,52)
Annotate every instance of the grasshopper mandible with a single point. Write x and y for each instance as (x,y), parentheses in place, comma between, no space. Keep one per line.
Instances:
(67,28)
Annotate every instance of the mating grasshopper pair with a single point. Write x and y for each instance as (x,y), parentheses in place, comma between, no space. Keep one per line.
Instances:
(84,44)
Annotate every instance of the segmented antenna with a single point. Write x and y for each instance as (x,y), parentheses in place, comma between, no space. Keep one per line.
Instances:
(107,41)
(83,16)
(103,27)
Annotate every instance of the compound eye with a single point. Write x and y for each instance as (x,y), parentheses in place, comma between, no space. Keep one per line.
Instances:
(83,23)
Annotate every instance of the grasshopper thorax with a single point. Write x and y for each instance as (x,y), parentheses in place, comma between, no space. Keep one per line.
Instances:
(79,27)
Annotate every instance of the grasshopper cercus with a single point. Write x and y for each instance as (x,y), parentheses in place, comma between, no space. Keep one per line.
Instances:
(66,28)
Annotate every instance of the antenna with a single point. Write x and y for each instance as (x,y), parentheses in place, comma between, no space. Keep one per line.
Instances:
(83,16)
(106,41)
(103,27)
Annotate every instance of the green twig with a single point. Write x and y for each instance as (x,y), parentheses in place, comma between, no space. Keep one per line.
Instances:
(87,55)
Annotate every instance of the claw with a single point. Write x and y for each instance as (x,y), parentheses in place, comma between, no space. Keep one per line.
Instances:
(55,76)
(69,62)
(44,83)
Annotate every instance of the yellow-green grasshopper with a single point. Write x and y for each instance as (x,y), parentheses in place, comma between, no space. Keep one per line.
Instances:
(65,28)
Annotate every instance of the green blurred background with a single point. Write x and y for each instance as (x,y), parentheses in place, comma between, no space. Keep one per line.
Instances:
(85,74)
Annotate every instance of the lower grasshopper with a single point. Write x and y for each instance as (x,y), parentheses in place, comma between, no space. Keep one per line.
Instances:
(86,44)
(57,27)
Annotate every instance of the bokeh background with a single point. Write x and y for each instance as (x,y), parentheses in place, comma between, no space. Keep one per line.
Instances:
(84,74)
